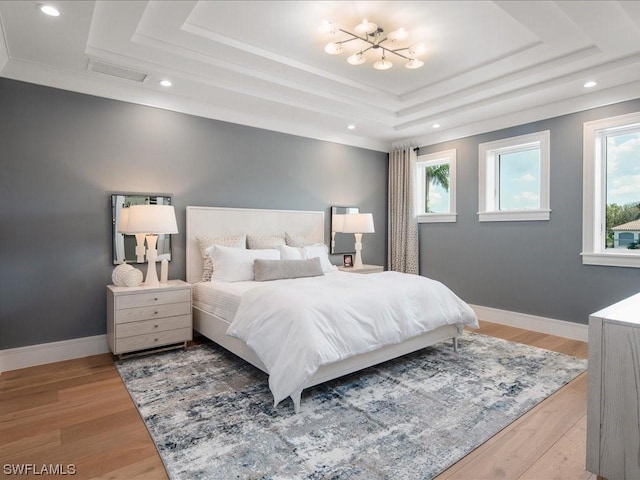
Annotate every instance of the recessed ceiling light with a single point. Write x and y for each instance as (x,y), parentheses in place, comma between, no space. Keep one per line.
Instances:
(351,127)
(49,10)
(165,83)
(590,84)
(435,125)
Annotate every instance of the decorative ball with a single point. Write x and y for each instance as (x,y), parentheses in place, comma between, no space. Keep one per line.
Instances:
(117,277)
(133,278)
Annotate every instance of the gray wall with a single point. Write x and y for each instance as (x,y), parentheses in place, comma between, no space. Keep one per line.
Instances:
(526,267)
(61,156)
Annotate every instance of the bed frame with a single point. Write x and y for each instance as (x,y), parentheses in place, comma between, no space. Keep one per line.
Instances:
(216,221)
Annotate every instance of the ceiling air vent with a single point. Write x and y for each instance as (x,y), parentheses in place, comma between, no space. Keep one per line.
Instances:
(115,71)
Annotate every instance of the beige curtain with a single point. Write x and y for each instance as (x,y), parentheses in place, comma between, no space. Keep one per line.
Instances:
(403,228)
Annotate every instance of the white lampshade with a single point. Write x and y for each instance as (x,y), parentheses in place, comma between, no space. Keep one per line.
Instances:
(358,223)
(365,27)
(152,219)
(123,220)
(337,222)
(398,35)
(414,63)
(333,48)
(356,59)
(383,64)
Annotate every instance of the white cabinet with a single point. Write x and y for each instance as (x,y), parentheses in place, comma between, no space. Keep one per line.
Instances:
(140,318)
(613,409)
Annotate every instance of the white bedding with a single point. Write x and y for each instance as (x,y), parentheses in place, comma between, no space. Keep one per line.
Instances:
(221,298)
(296,326)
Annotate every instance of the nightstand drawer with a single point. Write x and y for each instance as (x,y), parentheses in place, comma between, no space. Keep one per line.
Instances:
(131,329)
(152,340)
(152,298)
(155,311)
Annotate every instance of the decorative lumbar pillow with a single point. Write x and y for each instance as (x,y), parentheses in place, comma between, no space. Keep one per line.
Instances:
(280,269)
(296,240)
(235,264)
(264,241)
(290,253)
(320,251)
(204,242)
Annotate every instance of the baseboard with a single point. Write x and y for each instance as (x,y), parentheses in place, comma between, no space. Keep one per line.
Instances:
(551,326)
(32,355)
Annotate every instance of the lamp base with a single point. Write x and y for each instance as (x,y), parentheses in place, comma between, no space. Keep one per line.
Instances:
(358,261)
(152,254)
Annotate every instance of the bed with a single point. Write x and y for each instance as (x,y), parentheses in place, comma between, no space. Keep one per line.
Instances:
(221,307)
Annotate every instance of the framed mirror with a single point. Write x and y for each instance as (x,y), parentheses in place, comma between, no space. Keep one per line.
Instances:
(341,242)
(124,246)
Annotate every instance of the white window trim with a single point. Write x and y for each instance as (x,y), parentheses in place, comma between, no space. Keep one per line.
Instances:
(488,211)
(593,196)
(451,216)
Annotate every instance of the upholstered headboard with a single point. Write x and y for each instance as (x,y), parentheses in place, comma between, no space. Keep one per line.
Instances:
(218,222)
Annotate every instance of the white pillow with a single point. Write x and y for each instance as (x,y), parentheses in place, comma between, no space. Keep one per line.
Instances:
(290,253)
(204,242)
(321,251)
(235,264)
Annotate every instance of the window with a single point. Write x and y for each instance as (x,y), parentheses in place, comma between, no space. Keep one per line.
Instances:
(514,178)
(611,192)
(436,187)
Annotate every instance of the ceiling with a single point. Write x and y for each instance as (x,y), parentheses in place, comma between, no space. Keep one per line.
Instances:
(488,64)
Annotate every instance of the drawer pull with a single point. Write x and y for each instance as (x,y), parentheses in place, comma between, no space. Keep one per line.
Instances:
(155,313)
(155,326)
(156,299)
(155,339)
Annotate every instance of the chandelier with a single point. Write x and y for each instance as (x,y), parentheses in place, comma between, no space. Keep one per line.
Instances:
(373,38)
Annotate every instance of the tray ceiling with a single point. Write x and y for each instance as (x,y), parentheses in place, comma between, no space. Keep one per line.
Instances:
(488,65)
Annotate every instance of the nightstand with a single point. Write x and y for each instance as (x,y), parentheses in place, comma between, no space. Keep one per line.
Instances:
(363,269)
(140,318)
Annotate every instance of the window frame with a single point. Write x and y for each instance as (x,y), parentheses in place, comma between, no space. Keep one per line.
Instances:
(427,160)
(594,193)
(489,186)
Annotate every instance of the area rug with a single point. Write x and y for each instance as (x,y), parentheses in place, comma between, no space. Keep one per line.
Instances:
(211,414)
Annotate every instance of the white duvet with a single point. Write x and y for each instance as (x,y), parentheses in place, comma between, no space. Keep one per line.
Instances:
(296,326)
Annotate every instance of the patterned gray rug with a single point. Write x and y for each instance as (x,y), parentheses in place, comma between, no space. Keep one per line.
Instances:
(212,417)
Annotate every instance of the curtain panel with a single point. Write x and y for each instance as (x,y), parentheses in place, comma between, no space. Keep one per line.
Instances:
(402,251)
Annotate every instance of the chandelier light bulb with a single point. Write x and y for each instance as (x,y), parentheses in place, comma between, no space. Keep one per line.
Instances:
(365,27)
(356,59)
(383,64)
(414,63)
(398,35)
(333,48)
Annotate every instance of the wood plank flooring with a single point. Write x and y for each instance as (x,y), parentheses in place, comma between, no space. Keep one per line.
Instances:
(79,413)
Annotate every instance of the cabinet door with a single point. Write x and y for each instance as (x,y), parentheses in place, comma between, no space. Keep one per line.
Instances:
(620,402)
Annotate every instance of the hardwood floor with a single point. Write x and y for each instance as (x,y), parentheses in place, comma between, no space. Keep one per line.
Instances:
(79,413)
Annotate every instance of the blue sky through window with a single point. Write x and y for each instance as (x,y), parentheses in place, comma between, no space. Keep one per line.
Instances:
(623,169)
(519,180)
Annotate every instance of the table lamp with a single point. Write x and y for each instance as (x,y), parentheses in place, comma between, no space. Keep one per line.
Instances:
(358,223)
(151,220)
